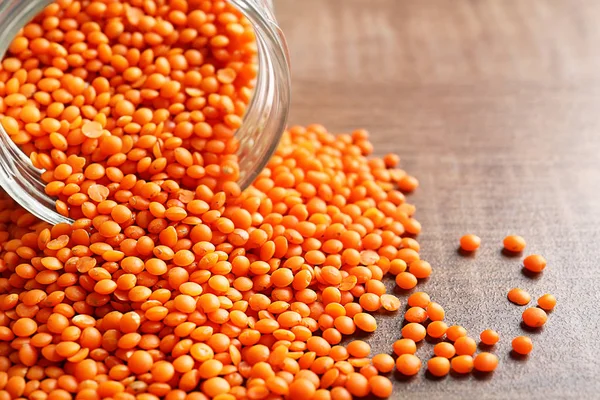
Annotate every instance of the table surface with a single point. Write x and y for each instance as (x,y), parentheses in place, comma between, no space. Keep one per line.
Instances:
(494,106)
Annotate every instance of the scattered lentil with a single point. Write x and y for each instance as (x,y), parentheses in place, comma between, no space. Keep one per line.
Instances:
(419,299)
(380,386)
(462,364)
(438,366)
(514,243)
(519,296)
(444,349)
(414,331)
(534,317)
(383,362)
(522,345)
(415,314)
(408,364)
(489,337)
(547,302)
(437,329)
(465,345)
(455,331)
(470,242)
(485,362)
(404,346)
(534,263)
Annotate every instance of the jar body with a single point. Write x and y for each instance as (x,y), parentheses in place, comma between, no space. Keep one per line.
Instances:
(266,118)
(263,122)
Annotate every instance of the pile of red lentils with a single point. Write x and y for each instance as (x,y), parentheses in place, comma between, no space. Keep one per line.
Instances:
(173,282)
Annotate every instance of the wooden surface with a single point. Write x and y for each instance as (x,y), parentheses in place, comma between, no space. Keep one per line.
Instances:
(495,107)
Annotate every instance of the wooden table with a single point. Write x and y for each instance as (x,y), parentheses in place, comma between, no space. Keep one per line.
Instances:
(495,107)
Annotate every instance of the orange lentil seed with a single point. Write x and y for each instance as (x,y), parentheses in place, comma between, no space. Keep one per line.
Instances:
(489,337)
(485,362)
(514,243)
(534,263)
(465,345)
(438,366)
(522,345)
(519,296)
(462,364)
(444,349)
(547,302)
(408,364)
(534,317)
(470,242)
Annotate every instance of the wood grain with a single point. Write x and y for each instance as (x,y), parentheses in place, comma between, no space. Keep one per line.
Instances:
(493,105)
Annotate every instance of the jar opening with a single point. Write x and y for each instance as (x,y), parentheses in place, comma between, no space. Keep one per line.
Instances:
(263,123)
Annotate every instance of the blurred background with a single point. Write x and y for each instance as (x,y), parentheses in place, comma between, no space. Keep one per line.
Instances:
(494,107)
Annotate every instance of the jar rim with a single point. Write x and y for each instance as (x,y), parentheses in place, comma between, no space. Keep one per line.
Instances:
(263,123)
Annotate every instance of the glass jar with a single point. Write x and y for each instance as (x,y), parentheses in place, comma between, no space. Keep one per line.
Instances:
(264,121)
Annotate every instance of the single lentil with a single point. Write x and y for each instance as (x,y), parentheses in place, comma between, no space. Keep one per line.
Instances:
(455,331)
(534,263)
(514,243)
(404,346)
(519,296)
(489,337)
(522,345)
(547,302)
(408,364)
(462,364)
(485,362)
(465,345)
(534,317)
(470,242)
(438,366)
(444,349)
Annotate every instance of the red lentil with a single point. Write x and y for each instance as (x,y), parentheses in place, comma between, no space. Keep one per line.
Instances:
(404,346)
(437,329)
(489,337)
(522,345)
(485,362)
(455,331)
(383,362)
(514,243)
(435,312)
(547,302)
(406,280)
(462,364)
(128,249)
(444,349)
(465,345)
(414,331)
(519,296)
(534,317)
(438,366)
(408,364)
(470,242)
(380,386)
(415,314)
(534,263)
(419,299)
